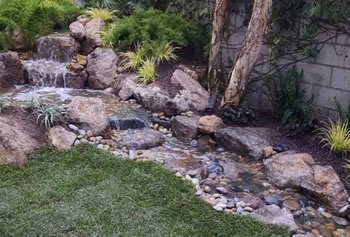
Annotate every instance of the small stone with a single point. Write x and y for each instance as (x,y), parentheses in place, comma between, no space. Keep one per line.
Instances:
(216,195)
(327,214)
(207,189)
(195,181)
(77,142)
(84,140)
(194,143)
(272,199)
(81,132)
(248,209)
(89,134)
(192,173)
(222,190)
(340,221)
(241,204)
(268,151)
(239,210)
(230,205)
(92,139)
(344,211)
(220,149)
(73,127)
(291,205)
(100,146)
(178,174)
(132,155)
(199,193)
(222,205)
(218,208)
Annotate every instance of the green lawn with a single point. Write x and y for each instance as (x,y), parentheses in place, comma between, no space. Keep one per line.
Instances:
(89,192)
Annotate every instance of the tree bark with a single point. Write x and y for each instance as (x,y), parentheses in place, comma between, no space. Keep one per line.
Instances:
(217,36)
(249,52)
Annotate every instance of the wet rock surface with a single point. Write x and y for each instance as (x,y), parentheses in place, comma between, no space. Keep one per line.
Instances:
(130,118)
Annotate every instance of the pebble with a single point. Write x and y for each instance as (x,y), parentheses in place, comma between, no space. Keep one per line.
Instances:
(222,190)
(195,181)
(89,134)
(239,210)
(73,127)
(218,208)
(194,143)
(248,209)
(178,174)
(291,205)
(341,221)
(92,139)
(84,140)
(241,204)
(220,149)
(199,193)
(326,214)
(77,142)
(100,146)
(207,189)
(81,132)
(132,154)
(216,195)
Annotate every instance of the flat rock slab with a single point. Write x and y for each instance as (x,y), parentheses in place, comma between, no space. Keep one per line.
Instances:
(139,139)
(60,138)
(245,141)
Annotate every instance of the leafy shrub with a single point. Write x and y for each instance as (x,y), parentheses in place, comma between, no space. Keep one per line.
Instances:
(103,13)
(289,102)
(151,26)
(35,17)
(336,136)
(147,71)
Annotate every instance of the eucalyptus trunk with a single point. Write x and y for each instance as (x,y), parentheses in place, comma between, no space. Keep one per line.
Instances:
(249,52)
(217,37)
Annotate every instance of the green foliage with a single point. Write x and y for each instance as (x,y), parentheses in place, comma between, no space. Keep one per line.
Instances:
(151,26)
(134,60)
(47,115)
(147,71)
(164,52)
(86,191)
(103,13)
(5,102)
(35,17)
(289,103)
(34,102)
(336,136)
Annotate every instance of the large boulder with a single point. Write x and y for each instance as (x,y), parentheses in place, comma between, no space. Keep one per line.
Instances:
(60,138)
(139,139)
(92,35)
(76,80)
(77,30)
(196,95)
(210,124)
(102,68)
(299,171)
(185,128)
(151,97)
(272,214)
(60,47)
(11,70)
(89,113)
(245,141)
(15,143)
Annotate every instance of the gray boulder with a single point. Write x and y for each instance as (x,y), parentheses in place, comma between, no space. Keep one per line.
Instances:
(92,35)
(196,95)
(245,141)
(77,30)
(60,138)
(11,70)
(185,128)
(57,47)
(272,214)
(89,113)
(102,68)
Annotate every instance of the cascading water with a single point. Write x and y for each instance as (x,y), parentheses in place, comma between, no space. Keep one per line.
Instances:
(46,73)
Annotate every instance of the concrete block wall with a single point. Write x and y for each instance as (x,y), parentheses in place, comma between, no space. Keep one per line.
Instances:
(326,76)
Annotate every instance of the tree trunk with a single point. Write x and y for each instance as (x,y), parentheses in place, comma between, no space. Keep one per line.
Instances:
(249,52)
(215,47)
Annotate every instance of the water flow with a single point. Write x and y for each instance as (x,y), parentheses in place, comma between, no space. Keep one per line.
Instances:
(45,73)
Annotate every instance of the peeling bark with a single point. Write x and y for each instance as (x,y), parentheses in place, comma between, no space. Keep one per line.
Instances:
(249,52)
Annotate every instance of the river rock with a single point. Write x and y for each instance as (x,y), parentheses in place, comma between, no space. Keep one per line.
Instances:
(272,214)
(60,138)
(16,143)
(245,141)
(139,139)
(102,67)
(92,35)
(76,80)
(60,47)
(195,94)
(185,128)
(210,124)
(11,70)
(130,118)
(88,113)
(77,30)
(298,170)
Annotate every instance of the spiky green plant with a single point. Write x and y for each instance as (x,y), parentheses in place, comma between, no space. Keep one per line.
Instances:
(147,71)
(5,102)
(336,136)
(47,115)
(134,60)
(163,52)
(34,102)
(103,13)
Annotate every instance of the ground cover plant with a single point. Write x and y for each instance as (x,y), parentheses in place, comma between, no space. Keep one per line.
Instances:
(90,192)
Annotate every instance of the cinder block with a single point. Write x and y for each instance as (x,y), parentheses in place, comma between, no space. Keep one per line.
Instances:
(316,74)
(334,55)
(341,79)
(325,97)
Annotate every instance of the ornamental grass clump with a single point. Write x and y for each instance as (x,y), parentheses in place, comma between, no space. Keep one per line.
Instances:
(103,13)
(336,136)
